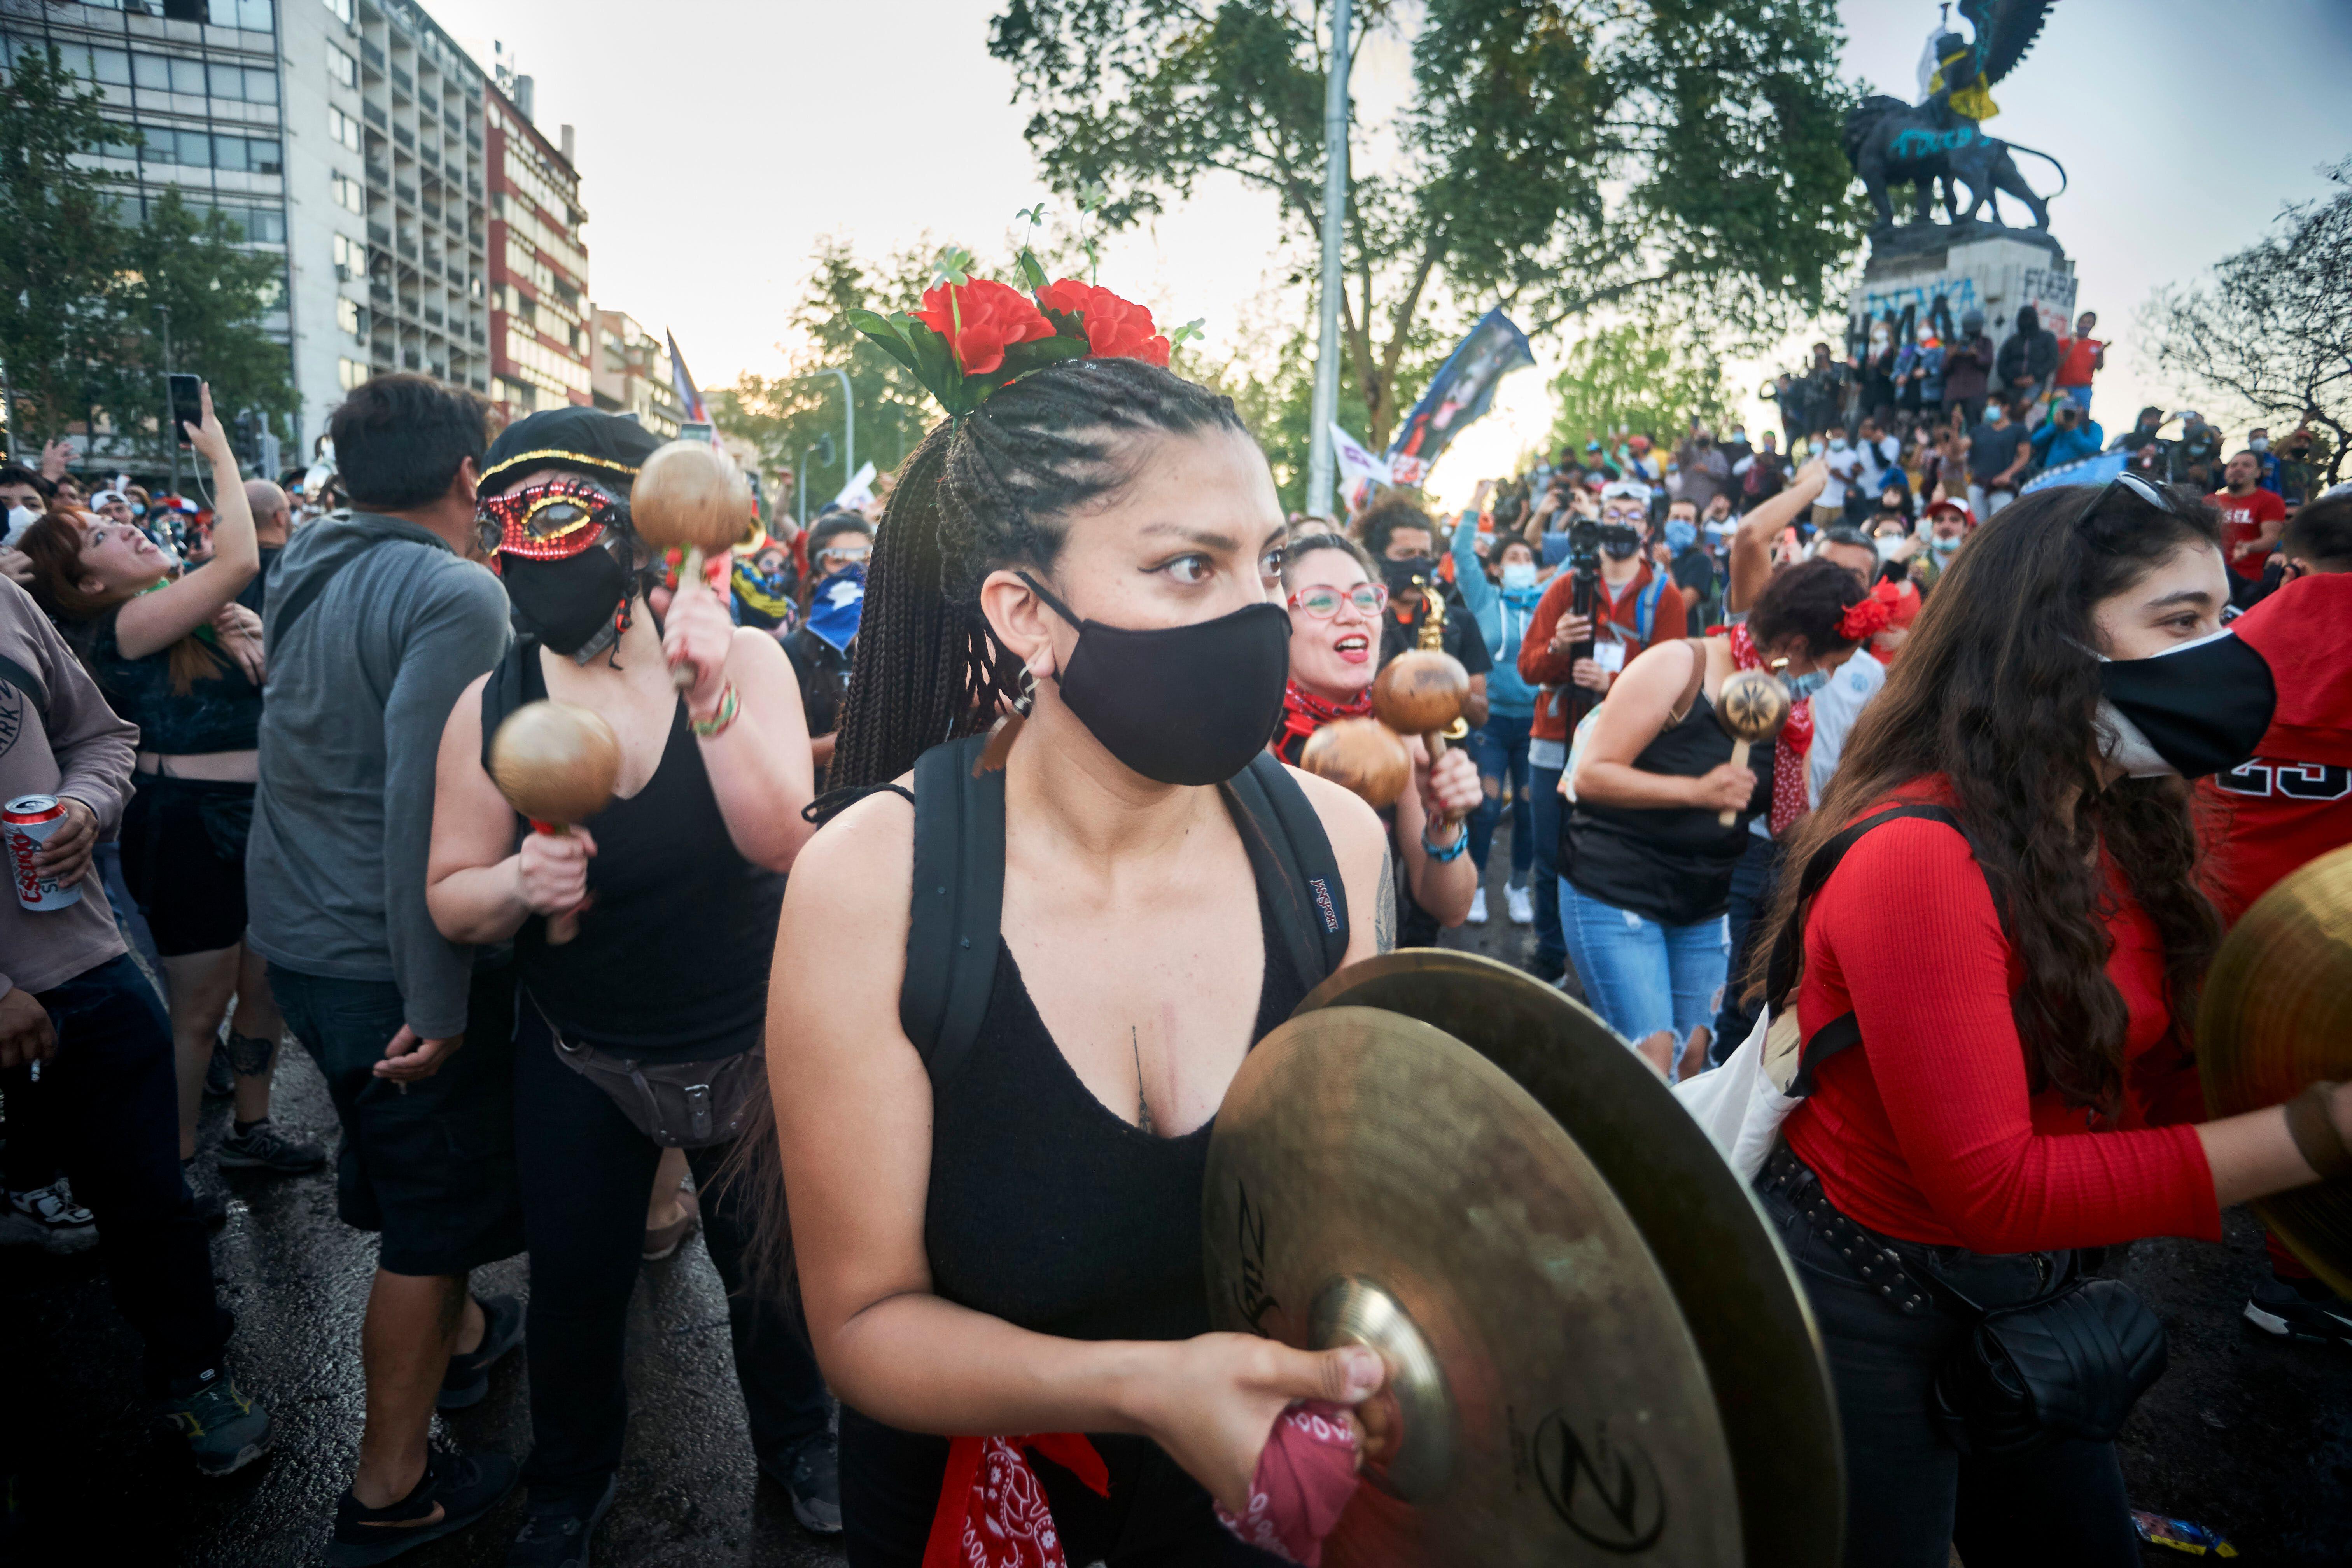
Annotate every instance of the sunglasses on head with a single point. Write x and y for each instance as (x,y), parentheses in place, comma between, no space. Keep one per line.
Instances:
(549,522)
(847,554)
(2132,484)
(1370,599)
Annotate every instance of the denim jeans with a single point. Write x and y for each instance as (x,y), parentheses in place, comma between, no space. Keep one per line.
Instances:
(1639,975)
(1544,805)
(1500,747)
(1753,882)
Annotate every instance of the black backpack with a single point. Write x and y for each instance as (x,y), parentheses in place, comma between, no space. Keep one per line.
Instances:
(959,889)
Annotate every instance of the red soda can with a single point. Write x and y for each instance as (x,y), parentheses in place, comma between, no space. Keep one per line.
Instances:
(25,824)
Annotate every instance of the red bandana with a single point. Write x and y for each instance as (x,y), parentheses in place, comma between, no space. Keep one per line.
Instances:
(992,1512)
(1789,799)
(1303,713)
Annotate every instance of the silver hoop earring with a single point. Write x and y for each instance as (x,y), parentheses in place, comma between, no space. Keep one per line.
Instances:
(1027,696)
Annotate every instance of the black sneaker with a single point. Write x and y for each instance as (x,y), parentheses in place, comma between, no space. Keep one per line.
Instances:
(2300,1309)
(556,1530)
(810,1475)
(266,1146)
(455,1490)
(220,1079)
(211,1208)
(224,1430)
(468,1377)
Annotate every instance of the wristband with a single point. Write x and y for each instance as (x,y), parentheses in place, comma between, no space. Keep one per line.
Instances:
(1452,852)
(728,706)
(2311,1122)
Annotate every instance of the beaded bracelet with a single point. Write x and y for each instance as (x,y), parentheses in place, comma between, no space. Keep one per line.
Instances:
(728,706)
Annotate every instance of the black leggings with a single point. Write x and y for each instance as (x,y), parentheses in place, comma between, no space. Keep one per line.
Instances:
(1910,1495)
(586,1173)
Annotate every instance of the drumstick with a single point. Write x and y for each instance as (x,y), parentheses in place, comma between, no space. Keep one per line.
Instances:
(689,495)
(1421,692)
(1752,706)
(555,762)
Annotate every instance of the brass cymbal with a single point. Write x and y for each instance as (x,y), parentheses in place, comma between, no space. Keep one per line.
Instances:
(1371,1178)
(2277,1015)
(1737,1290)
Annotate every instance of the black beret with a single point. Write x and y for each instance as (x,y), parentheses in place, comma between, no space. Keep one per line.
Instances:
(602,445)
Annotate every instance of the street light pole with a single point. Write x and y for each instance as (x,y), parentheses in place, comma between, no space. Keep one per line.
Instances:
(171,435)
(848,415)
(800,486)
(1319,502)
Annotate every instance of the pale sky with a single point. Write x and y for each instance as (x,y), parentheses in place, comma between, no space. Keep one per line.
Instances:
(719,139)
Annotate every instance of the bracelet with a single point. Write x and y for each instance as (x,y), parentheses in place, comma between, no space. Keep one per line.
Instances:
(1452,851)
(2311,1122)
(728,706)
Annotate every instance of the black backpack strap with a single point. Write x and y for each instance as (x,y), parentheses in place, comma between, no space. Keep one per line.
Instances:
(1291,855)
(514,680)
(25,681)
(1843,1032)
(956,909)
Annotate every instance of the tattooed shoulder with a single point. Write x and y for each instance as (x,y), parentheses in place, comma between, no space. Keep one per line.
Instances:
(1384,916)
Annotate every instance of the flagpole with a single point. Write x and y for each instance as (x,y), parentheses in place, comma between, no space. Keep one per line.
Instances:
(1319,499)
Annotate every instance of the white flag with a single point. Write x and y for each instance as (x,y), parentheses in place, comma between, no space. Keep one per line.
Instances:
(1355,462)
(859,491)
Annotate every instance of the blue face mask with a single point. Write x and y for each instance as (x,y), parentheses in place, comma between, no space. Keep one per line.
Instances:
(1804,686)
(1681,535)
(1518,576)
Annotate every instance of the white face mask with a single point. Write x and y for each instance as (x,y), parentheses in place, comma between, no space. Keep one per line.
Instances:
(19,519)
(1887,544)
(1838,445)
(1518,575)
(2260,443)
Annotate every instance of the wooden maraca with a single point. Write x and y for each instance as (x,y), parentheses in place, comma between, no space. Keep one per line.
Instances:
(1752,706)
(1420,693)
(691,497)
(1360,755)
(555,762)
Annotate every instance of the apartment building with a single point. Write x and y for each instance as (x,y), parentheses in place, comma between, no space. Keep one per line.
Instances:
(633,375)
(541,324)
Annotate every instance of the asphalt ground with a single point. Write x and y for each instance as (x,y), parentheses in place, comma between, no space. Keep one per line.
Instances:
(2245,1434)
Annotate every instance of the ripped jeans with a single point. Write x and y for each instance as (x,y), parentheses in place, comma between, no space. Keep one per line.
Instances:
(1639,975)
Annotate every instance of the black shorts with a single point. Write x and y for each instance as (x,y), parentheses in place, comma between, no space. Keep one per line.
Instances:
(431,1165)
(184,860)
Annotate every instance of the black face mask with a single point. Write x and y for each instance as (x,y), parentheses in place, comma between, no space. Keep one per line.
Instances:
(2199,710)
(1181,705)
(566,604)
(1399,574)
(1620,544)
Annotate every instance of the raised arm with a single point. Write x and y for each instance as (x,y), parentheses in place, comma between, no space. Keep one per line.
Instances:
(1752,546)
(761,768)
(152,622)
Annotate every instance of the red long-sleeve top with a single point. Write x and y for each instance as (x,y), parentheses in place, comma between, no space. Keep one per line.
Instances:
(1926,1130)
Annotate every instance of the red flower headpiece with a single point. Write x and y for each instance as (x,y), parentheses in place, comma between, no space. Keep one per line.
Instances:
(1864,619)
(972,336)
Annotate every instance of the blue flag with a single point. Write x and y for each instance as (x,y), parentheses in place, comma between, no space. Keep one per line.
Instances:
(1462,390)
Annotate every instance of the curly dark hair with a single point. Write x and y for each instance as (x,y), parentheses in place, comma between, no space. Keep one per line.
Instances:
(1807,600)
(1386,515)
(1997,695)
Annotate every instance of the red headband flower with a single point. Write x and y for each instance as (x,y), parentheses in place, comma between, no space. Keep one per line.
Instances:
(1864,619)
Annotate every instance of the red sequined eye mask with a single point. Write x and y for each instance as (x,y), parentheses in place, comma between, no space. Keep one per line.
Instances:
(551,521)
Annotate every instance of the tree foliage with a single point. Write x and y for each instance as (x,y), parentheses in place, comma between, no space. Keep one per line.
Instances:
(1640,377)
(1558,155)
(78,330)
(2272,328)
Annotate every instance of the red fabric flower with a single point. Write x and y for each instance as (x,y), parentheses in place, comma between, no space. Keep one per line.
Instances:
(1115,328)
(985,319)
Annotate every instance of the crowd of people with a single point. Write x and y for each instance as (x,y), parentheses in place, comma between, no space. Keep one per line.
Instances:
(1034,784)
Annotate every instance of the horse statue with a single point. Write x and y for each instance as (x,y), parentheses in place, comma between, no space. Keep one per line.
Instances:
(1891,143)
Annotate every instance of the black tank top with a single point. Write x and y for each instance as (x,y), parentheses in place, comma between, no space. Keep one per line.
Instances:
(1049,1210)
(672,957)
(1673,865)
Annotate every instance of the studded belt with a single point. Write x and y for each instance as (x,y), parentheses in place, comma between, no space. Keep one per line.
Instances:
(1871,1256)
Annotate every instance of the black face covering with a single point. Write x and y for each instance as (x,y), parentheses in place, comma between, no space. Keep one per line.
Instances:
(566,604)
(1182,705)
(1399,574)
(1620,544)
(2199,710)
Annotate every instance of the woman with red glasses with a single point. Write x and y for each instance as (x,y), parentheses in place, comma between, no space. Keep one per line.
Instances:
(1336,609)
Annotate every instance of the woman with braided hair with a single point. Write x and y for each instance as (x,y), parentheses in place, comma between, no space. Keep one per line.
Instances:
(1009,1242)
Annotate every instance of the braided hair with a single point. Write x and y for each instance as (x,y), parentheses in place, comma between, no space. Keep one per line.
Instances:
(991,491)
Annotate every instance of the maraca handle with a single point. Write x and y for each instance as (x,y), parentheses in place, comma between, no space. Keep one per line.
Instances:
(1739,760)
(1435,740)
(561,928)
(681,674)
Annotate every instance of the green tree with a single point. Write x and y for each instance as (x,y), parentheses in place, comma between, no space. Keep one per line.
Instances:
(61,277)
(194,263)
(1558,155)
(784,415)
(1639,376)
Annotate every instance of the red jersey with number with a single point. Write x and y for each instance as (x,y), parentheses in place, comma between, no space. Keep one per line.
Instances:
(2241,524)
(2294,803)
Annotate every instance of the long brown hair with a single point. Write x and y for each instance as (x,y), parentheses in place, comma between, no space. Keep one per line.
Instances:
(53,545)
(1997,695)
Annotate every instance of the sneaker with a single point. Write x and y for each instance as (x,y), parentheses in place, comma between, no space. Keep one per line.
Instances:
(1523,905)
(665,1241)
(455,1490)
(1478,908)
(220,1079)
(468,1377)
(556,1531)
(211,1208)
(224,1430)
(266,1146)
(52,1205)
(2300,1309)
(811,1473)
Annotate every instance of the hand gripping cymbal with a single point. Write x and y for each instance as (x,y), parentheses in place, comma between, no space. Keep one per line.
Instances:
(1737,1293)
(1373,1179)
(2277,1016)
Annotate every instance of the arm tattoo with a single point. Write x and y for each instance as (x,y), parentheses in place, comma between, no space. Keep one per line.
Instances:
(1384,913)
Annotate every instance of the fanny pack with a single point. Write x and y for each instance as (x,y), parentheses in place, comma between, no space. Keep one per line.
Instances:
(678,1105)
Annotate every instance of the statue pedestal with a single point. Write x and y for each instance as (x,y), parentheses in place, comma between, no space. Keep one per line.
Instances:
(1974,267)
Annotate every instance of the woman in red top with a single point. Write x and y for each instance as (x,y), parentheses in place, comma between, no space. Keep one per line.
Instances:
(2022,988)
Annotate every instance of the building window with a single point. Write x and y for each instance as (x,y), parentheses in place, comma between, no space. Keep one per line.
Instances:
(351,258)
(341,67)
(113,67)
(349,195)
(342,10)
(342,128)
(253,16)
(350,372)
(349,316)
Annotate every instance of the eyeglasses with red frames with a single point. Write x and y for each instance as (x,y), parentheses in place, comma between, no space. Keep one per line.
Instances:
(1370,599)
(547,523)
